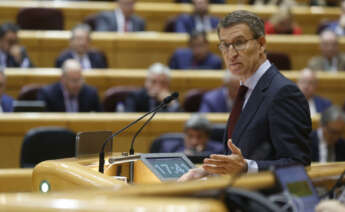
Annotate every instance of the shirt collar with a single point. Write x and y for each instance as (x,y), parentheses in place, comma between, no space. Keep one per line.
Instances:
(253,80)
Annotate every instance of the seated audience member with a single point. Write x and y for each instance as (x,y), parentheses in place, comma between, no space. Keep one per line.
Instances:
(6,102)
(11,53)
(71,94)
(196,141)
(326,142)
(220,100)
(282,23)
(122,20)
(80,50)
(211,1)
(197,56)
(338,26)
(332,59)
(156,89)
(200,20)
(307,83)
(274,2)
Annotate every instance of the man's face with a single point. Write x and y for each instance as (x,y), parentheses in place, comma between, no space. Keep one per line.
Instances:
(80,41)
(9,39)
(127,7)
(307,83)
(195,139)
(2,84)
(201,6)
(242,63)
(199,47)
(329,45)
(333,131)
(73,81)
(156,83)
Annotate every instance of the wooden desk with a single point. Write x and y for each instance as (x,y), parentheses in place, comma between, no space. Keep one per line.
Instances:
(331,86)
(15,180)
(156,14)
(140,50)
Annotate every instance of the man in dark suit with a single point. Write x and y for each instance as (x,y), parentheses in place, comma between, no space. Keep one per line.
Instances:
(196,140)
(197,56)
(6,101)
(120,20)
(221,100)
(326,142)
(307,82)
(156,89)
(71,94)
(11,53)
(80,50)
(270,122)
(200,20)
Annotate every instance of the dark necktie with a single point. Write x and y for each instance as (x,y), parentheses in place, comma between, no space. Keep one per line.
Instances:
(236,110)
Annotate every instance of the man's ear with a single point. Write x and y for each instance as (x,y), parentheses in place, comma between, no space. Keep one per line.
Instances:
(262,43)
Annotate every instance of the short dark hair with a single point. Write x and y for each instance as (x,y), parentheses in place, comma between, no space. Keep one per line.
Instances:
(254,22)
(8,27)
(195,34)
(198,122)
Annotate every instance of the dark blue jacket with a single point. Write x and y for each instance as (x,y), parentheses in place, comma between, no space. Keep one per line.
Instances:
(97,60)
(214,102)
(6,103)
(185,23)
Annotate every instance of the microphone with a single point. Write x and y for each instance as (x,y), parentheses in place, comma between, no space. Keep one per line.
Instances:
(166,101)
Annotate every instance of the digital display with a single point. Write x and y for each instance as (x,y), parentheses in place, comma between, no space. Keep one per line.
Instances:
(300,188)
(169,167)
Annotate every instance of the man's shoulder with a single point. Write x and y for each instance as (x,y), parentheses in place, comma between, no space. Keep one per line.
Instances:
(184,17)
(106,15)
(67,53)
(214,93)
(183,52)
(6,98)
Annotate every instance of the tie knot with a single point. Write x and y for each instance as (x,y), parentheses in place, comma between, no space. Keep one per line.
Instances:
(242,91)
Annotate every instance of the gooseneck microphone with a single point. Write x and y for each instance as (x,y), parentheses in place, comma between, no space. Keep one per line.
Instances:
(166,101)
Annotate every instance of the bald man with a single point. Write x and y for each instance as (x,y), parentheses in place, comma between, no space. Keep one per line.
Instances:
(71,94)
(307,83)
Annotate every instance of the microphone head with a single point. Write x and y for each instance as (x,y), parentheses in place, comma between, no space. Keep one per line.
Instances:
(168,99)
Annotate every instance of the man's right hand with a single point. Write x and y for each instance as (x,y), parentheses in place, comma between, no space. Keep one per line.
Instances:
(193,174)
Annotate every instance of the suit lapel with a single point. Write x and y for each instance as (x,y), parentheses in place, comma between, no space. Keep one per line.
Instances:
(253,103)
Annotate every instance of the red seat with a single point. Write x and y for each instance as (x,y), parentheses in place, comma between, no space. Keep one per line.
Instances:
(279,59)
(29,92)
(192,100)
(38,18)
(114,96)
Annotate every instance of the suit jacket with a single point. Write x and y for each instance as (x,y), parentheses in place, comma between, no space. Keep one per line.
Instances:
(106,21)
(214,102)
(185,23)
(6,103)
(52,95)
(321,104)
(12,63)
(274,126)
(315,152)
(183,59)
(140,101)
(319,63)
(211,1)
(97,59)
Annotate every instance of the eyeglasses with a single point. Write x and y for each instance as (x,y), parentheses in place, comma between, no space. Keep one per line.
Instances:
(238,45)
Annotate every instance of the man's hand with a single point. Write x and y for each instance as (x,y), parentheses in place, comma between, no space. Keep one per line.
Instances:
(226,164)
(193,174)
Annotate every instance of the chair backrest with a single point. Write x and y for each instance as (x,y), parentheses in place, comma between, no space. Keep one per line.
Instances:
(38,18)
(192,100)
(91,21)
(29,92)
(157,143)
(279,59)
(46,143)
(91,142)
(114,96)
(170,24)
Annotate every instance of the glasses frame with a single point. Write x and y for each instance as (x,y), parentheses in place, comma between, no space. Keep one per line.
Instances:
(226,46)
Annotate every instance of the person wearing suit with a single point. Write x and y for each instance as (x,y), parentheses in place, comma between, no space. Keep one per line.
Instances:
(270,122)
(11,53)
(200,20)
(80,50)
(331,60)
(197,56)
(221,100)
(120,20)
(70,94)
(326,142)
(307,82)
(155,90)
(196,140)
(6,101)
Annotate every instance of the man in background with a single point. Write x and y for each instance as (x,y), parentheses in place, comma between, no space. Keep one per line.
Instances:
(11,53)
(197,56)
(307,82)
(327,143)
(71,94)
(157,87)
(221,100)
(6,101)
(122,19)
(331,60)
(80,50)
